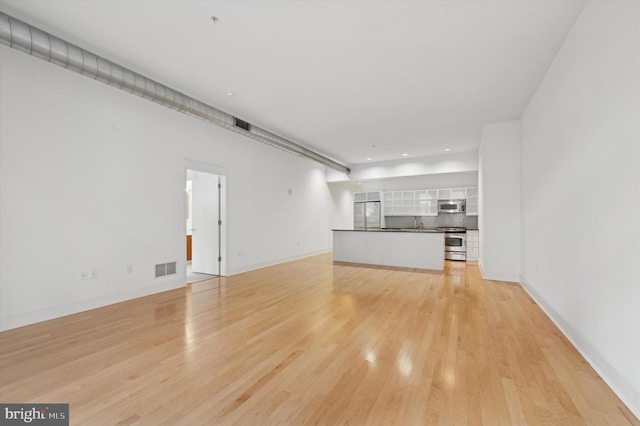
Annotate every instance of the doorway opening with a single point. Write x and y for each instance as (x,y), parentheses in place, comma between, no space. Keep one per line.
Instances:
(205,224)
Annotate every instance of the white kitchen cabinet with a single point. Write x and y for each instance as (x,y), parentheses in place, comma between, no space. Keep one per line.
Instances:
(472,201)
(374,196)
(432,203)
(421,203)
(367,196)
(458,193)
(473,246)
(444,194)
(388,203)
(452,193)
(397,203)
(392,203)
(409,203)
(423,250)
(425,202)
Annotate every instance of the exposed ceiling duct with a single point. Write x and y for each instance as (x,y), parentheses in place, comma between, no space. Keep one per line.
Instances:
(26,38)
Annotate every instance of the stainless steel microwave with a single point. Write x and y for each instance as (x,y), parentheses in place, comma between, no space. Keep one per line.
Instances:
(452,206)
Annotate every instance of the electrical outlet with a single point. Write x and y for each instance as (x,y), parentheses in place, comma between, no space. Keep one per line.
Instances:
(84,275)
(129,268)
(94,274)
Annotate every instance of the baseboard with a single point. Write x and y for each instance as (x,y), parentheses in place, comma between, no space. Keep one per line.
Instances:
(27,318)
(629,396)
(33,317)
(247,268)
(496,276)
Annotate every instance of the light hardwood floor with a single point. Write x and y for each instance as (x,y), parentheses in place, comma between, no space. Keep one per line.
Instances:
(310,342)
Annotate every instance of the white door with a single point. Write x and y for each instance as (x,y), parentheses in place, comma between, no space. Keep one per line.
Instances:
(205,240)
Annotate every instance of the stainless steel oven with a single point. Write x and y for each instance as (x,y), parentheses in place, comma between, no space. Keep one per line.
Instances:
(455,243)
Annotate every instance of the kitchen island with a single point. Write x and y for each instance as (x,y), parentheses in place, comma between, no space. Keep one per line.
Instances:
(408,248)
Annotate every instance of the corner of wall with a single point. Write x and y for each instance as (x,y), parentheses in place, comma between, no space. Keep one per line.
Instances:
(248,268)
(498,276)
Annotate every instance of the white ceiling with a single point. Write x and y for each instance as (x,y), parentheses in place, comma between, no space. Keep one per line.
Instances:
(409,77)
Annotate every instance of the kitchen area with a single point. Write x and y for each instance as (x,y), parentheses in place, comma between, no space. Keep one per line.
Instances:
(411,228)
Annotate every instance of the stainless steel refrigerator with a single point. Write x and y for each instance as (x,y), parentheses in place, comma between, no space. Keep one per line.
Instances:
(367,215)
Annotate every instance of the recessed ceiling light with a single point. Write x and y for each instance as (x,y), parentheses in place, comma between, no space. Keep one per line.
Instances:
(214,19)
(447,149)
(405,155)
(369,158)
(229,93)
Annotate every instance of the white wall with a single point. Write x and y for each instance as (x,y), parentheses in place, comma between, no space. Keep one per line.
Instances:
(499,201)
(342,206)
(432,181)
(94,178)
(581,192)
(458,162)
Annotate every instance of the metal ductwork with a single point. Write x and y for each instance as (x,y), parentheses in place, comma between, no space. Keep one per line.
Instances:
(26,38)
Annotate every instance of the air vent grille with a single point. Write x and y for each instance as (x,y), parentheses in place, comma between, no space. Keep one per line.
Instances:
(163,269)
(241,124)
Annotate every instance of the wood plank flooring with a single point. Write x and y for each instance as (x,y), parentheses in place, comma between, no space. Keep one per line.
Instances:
(310,342)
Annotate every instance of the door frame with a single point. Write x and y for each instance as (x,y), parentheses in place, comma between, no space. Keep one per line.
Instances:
(199,166)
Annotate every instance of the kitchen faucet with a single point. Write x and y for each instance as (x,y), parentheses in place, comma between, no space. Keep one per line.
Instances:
(415,222)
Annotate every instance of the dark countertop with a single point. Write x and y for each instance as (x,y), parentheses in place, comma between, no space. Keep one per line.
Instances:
(403,230)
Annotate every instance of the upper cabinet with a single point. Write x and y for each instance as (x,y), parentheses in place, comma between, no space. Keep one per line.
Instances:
(398,203)
(367,196)
(452,193)
(421,202)
(425,202)
(408,202)
(472,201)
(432,202)
(411,203)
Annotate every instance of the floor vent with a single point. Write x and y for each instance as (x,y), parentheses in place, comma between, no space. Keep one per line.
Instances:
(163,269)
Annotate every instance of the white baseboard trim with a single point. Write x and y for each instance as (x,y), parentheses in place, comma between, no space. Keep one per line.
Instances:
(247,268)
(27,318)
(622,388)
(497,276)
